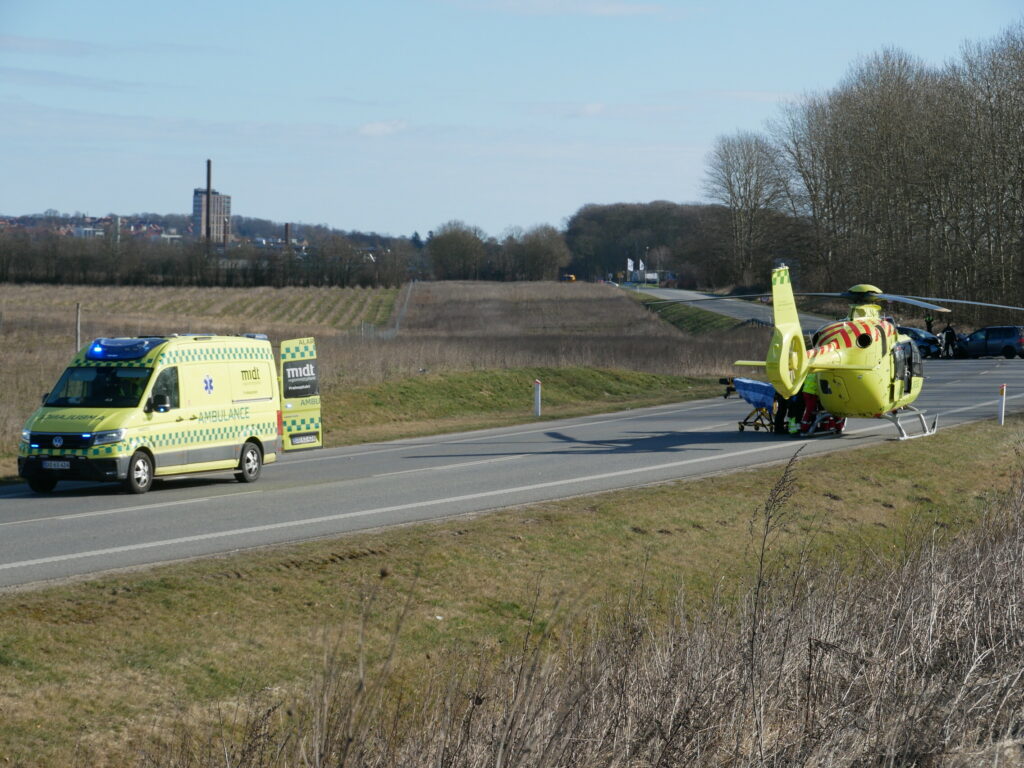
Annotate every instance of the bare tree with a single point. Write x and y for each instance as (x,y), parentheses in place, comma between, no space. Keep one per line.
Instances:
(744,175)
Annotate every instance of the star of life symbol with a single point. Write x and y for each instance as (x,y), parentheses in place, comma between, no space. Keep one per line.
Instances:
(208,385)
(58,441)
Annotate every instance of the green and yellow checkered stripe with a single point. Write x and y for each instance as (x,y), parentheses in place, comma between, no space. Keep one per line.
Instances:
(302,425)
(100,451)
(304,350)
(202,354)
(219,434)
(173,354)
(81,361)
(170,439)
(299,353)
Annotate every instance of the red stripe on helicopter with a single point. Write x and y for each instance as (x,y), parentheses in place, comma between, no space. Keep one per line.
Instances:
(833,332)
(821,349)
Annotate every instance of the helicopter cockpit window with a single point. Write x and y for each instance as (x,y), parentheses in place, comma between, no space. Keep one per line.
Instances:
(916,366)
(899,359)
(906,363)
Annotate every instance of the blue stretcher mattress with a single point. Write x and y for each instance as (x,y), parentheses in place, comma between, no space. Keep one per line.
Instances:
(759,394)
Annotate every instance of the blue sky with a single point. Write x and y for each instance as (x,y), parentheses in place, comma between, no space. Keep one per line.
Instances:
(396,116)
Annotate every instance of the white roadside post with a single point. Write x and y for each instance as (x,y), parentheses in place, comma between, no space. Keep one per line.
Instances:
(1002,404)
(536,397)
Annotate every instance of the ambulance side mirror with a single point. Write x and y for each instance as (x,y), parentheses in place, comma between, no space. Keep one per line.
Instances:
(158,403)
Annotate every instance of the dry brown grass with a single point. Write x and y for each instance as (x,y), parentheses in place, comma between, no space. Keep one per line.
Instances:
(912,658)
(476,326)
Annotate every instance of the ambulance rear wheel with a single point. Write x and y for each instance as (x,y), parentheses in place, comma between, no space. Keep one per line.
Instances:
(250,463)
(140,473)
(42,484)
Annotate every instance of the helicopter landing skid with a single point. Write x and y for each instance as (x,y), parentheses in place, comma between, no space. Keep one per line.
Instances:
(894,417)
(825,424)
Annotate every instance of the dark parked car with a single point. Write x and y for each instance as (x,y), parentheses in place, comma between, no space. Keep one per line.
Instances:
(1005,340)
(927,343)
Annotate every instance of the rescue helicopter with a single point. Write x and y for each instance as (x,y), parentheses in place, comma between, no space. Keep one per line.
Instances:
(864,366)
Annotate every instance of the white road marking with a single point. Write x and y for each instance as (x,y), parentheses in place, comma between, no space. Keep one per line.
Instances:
(384,510)
(102,512)
(426,504)
(452,466)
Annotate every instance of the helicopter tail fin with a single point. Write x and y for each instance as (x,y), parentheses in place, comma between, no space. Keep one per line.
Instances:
(787,363)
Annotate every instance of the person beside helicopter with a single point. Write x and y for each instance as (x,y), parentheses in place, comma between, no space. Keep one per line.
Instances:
(948,341)
(812,419)
(809,395)
(806,402)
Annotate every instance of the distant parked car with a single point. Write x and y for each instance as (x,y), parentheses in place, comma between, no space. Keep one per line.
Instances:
(928,344)
(1005,340)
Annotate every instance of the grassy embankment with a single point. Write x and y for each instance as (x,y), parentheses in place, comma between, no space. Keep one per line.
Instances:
(111,663)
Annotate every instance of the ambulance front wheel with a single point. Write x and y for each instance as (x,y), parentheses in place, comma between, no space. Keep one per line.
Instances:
(250,463)
(42,484)
(140,473)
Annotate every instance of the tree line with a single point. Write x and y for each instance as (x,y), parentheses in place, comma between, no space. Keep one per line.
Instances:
(684,240)
(904,175)
(323,257)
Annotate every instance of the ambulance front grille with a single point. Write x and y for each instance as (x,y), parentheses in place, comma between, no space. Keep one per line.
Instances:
(67,441)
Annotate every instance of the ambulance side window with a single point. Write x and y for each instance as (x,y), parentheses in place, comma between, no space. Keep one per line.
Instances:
(167,384)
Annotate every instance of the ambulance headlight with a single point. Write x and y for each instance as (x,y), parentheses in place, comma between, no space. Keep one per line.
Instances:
(26,435)
(110,436)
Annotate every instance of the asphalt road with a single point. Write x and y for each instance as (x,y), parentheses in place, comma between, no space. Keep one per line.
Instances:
(738,309)
(87,528)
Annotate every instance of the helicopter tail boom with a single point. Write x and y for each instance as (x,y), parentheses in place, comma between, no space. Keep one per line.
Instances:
(786,364)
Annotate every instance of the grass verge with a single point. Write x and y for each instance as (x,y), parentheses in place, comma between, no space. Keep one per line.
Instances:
(457,401)
(88,668)
(687,317)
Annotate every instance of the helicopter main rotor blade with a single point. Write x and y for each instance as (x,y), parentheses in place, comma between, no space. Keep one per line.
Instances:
(913,300)
(870,298)
(710,298)
(975,303)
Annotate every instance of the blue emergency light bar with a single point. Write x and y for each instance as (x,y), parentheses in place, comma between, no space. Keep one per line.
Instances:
(122,349)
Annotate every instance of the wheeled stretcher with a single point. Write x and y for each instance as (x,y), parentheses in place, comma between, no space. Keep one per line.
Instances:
(761,395)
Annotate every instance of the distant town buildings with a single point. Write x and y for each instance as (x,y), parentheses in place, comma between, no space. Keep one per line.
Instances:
(81,226)
(152,228)
(219,213)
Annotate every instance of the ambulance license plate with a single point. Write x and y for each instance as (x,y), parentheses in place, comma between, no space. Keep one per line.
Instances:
(49,464)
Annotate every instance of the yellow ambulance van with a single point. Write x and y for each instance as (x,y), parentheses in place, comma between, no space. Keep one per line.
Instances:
(131,409)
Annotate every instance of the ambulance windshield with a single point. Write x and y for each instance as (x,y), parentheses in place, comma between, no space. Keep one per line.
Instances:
(94,387)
